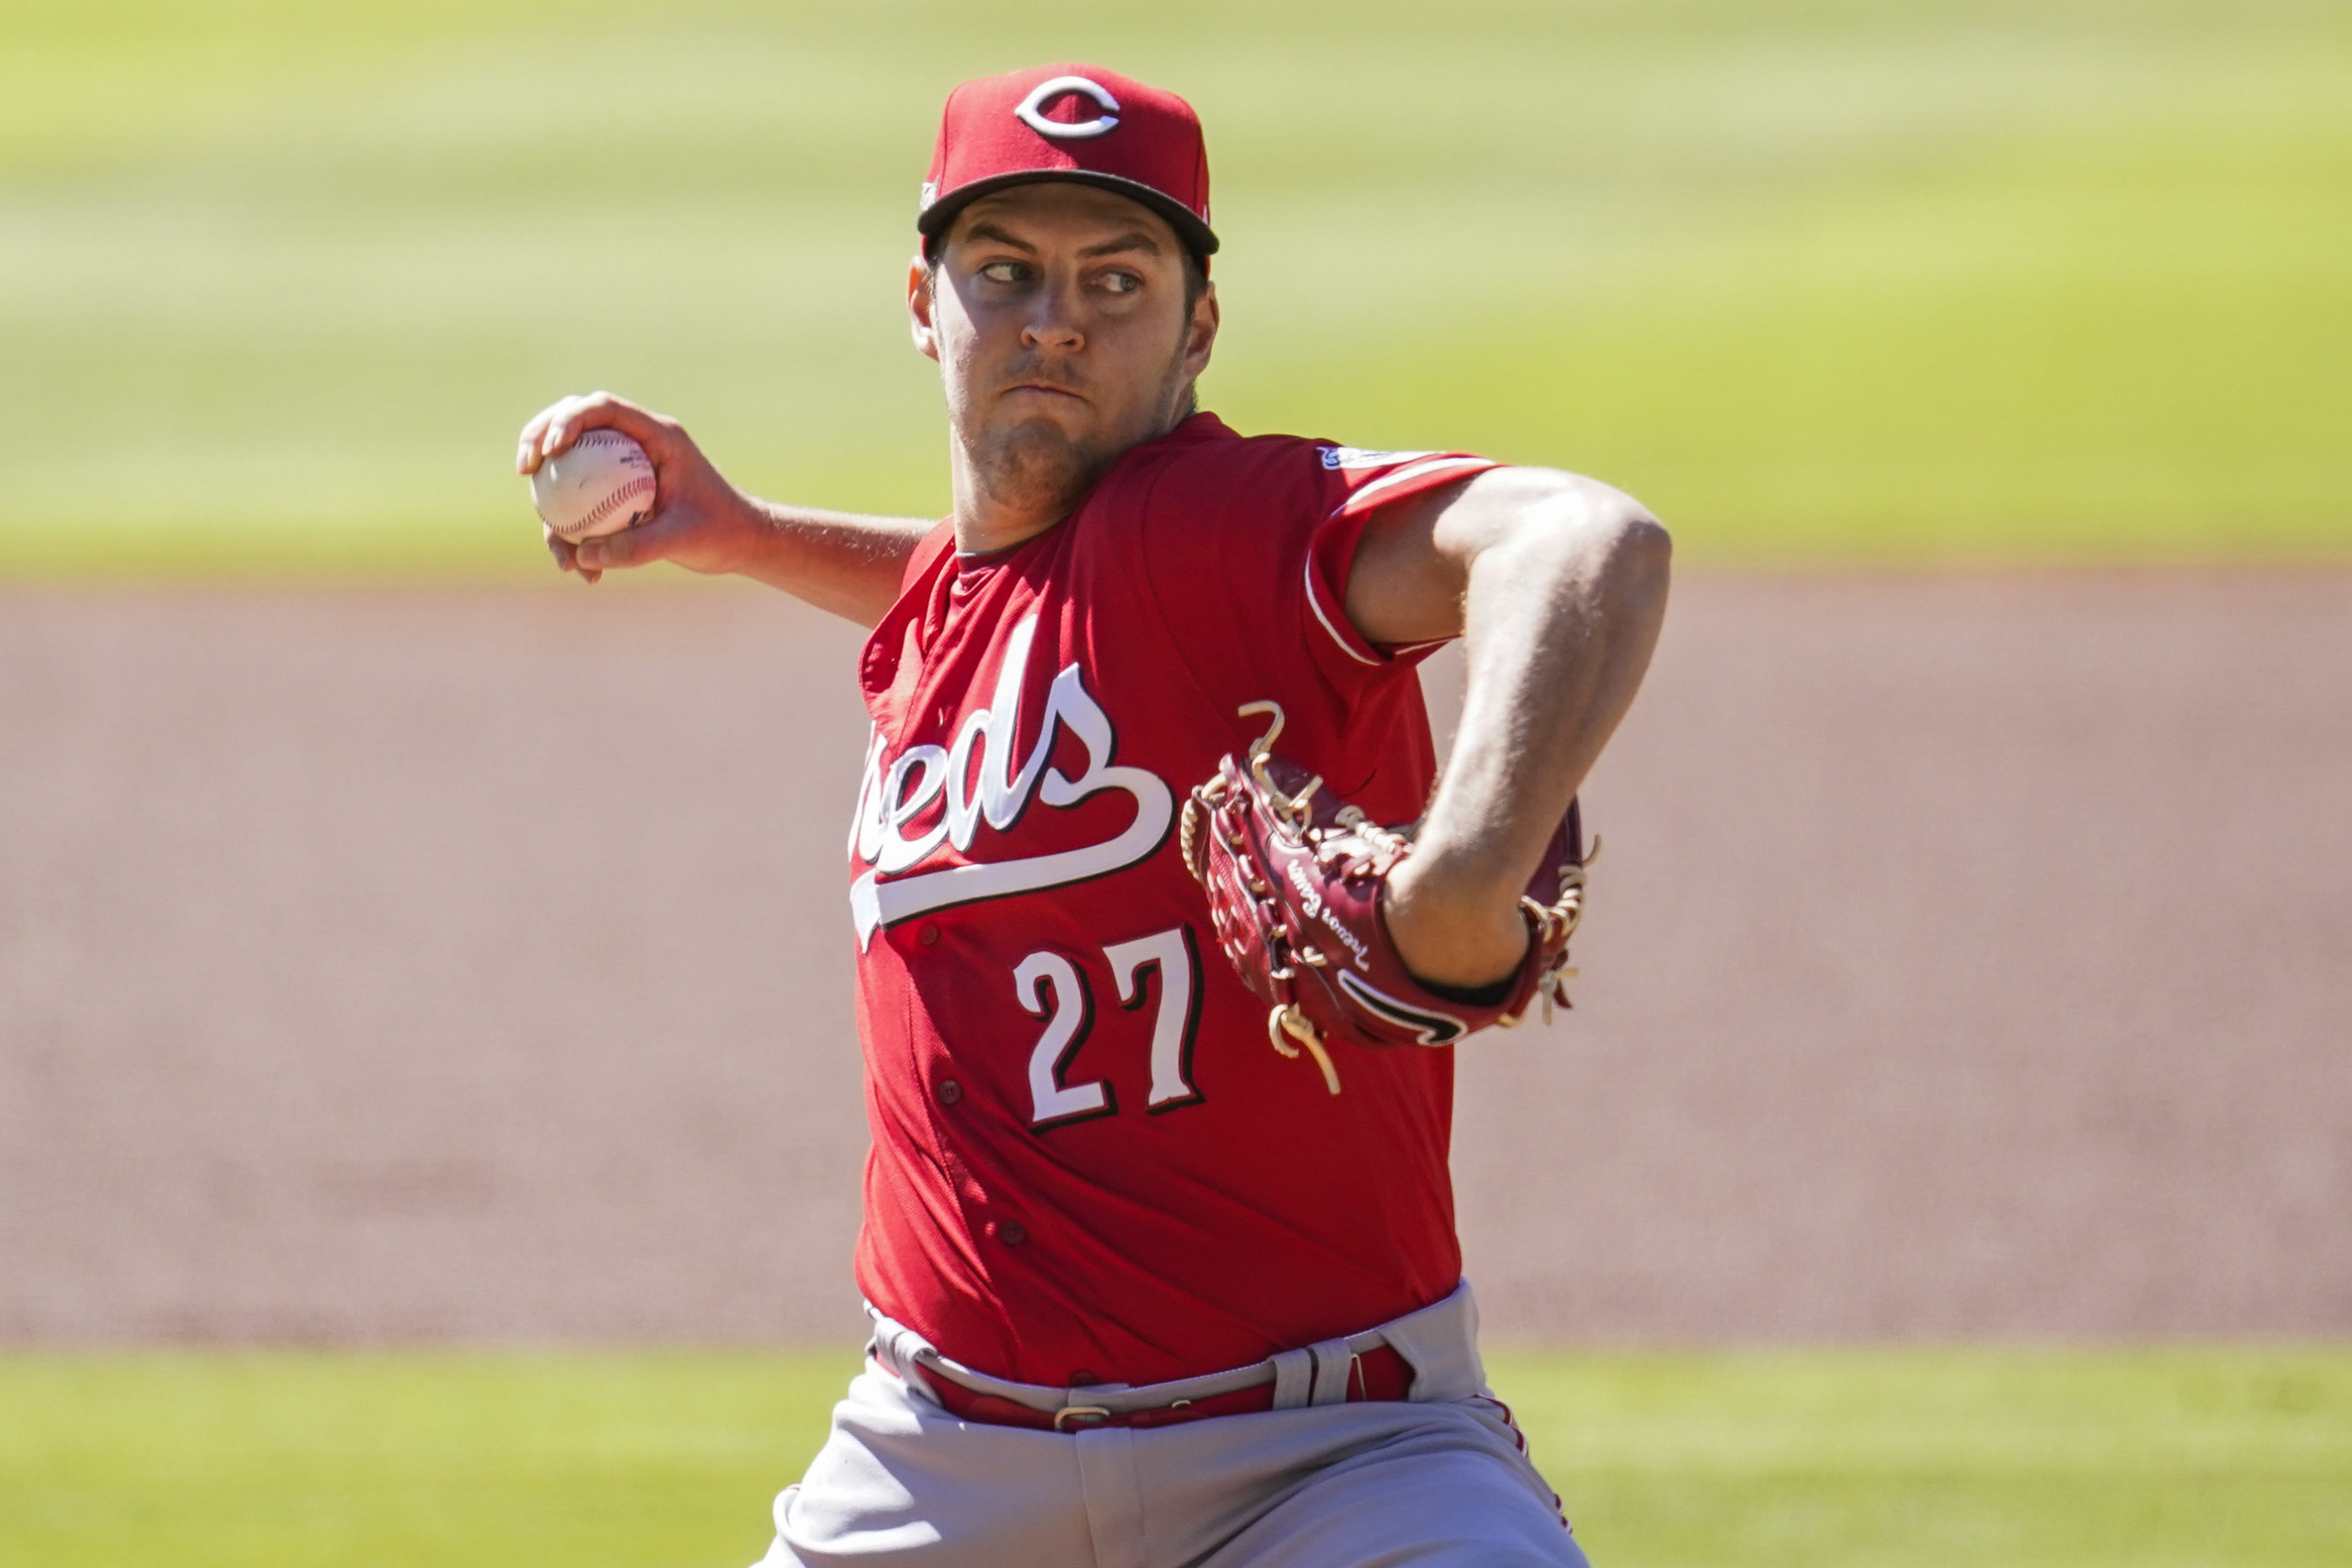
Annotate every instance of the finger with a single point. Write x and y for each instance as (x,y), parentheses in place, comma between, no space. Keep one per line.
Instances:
(649,542)
(553,428)
(538,440)
(562,425)
(534,431)
(572,417)
(567,556)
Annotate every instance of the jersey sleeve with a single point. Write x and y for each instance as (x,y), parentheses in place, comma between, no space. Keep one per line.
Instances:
(1356,484)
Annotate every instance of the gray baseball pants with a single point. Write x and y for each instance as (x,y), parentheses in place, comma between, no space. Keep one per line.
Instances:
(1442,1482)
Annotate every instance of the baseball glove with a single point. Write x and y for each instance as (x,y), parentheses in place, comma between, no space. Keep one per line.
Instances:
(1293,881)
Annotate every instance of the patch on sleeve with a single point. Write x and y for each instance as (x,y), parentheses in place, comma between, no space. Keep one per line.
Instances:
(1340,458)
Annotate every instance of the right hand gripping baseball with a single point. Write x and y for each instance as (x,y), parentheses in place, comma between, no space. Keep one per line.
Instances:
(1294,881)
(699,520)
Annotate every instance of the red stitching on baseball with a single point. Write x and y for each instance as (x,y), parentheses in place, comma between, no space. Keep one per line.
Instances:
(640,485)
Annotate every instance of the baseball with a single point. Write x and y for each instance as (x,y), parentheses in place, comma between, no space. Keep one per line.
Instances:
(601,484)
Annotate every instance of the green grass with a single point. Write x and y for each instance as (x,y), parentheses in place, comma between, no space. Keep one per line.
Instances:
(258,1459)
(1886,1457)
(2081,1459)
(1942,279)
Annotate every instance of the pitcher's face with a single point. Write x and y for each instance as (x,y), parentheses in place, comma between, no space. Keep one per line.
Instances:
(1057,313)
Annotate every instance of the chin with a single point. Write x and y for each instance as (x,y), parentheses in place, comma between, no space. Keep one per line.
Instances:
(1038,463)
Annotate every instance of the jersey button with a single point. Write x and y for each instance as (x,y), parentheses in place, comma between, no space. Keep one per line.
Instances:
(951,1091)
(928,934)
(1082,1378)
(1013,1233)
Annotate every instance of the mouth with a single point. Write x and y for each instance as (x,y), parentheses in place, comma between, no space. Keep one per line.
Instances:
(1043,389)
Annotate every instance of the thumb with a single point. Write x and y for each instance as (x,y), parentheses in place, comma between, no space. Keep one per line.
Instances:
(648,542)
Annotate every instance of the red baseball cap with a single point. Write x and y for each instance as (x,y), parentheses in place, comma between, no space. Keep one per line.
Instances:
(1076,122)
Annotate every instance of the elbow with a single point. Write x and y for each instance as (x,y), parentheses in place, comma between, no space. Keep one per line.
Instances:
(1638,570)
(1612,537)
(1579,534)
(1641,551)
(1619,559)
(1643,560)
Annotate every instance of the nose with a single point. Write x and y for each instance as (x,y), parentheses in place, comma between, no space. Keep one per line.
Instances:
(1052,325)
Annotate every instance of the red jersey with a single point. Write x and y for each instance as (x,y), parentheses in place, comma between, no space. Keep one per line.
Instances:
(1088,1162)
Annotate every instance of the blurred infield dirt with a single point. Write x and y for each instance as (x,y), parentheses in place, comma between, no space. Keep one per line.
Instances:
(1972,955)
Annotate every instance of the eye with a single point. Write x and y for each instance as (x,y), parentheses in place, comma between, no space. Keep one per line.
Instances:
(1004,272)
(1121,282)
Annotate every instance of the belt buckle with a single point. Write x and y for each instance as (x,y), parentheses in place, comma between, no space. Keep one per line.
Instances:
(1074,1412)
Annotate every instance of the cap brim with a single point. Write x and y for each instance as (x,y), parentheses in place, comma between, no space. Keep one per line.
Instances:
(933,220)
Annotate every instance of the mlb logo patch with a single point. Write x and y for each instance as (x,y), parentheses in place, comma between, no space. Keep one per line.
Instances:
(1343,457)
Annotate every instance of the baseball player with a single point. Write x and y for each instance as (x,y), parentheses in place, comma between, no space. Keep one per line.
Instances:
(1159,1237)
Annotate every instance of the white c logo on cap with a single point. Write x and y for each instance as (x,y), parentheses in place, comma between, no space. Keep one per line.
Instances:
(1104,121)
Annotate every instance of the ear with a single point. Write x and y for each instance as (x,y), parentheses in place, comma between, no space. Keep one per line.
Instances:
(919,308)
(1201,334)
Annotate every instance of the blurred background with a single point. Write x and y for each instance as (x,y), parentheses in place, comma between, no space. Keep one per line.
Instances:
(1948,279)
(429,1118)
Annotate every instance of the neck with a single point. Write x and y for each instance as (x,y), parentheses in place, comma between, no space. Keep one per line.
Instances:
(987,520)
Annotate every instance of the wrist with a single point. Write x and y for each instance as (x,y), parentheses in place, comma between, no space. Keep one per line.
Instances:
(736,534)
(1451,925)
